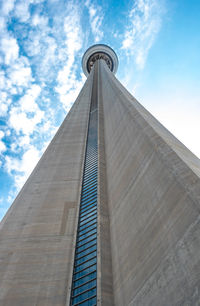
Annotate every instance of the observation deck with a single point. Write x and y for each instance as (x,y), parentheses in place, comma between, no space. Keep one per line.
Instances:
(97,52)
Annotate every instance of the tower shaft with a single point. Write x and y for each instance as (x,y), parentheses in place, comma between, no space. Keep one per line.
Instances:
(148,196)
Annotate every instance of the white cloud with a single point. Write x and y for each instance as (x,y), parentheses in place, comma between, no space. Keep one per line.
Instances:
(68,84)
(43,47)
(68,87)
(2,24)
(21,142)
(3,109)
(21,168)
(22,10)
(33,44)
(20,73)
(39,21)
(144,25)
(2,80)
(7,7)
(8,132)
(38,41)
(2,145)
(27,102)
(96,18)
(10,49)
(37,36)
(20,121)
(73,33)
(4,104)
(36,1)
(49,60)
(27,115)
(2,134)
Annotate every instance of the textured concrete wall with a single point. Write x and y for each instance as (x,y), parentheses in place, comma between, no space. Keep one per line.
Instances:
(153,198)
(37,236)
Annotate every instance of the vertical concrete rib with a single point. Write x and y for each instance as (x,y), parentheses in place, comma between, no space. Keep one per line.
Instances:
(105,280)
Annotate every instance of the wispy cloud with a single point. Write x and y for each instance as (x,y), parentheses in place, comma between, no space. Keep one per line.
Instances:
(22,10)
(10,49)
(27,114)
(38,54)
(19,74)
(68,83)
(144,22)
(2,144)
(96,19)
(22,167)
(7,7)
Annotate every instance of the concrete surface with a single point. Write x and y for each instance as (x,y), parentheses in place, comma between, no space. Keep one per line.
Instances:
(153,198)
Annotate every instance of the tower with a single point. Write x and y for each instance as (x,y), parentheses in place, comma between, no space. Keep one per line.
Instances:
(110,215)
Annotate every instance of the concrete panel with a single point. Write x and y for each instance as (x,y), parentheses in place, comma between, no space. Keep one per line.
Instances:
(153,191)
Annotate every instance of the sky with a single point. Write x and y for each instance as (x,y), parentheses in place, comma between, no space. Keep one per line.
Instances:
(41,46)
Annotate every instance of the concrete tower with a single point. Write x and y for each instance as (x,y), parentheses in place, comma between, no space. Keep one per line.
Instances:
(111,213)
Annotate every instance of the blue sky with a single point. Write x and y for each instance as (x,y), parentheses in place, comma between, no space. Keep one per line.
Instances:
(41,45)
